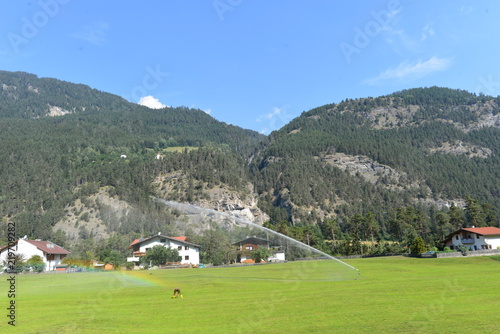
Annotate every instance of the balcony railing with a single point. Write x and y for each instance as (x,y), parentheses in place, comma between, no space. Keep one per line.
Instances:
(139,254)
(467,241)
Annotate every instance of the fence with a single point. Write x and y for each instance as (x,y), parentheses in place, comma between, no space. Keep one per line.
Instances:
(482,252)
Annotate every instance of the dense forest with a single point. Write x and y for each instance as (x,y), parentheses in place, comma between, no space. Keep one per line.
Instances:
(417,163)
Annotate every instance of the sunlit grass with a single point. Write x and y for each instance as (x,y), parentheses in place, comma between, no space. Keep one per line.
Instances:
(393,295)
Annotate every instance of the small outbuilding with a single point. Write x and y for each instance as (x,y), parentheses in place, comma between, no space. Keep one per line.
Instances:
(246,246)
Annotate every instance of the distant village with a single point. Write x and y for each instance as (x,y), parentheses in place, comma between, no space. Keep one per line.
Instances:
(45,256)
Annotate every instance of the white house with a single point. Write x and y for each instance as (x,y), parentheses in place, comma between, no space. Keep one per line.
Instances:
(190,253)
(475,238)
(51,253)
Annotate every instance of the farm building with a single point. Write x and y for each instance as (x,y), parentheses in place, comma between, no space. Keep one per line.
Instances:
(190,253)
(474,238)
(247,246)
(51,253)
(102,266)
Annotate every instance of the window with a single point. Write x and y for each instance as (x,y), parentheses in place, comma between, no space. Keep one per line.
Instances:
(186,247)
(50,257)
(477,235)
(456,237)
(179,247)
(163,240)
(186,257)
(249,247)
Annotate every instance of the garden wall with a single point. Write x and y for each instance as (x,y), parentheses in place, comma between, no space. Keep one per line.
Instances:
(483,252)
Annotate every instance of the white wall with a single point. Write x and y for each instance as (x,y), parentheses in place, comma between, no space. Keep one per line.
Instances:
(193,253)
(494,241)
(28,250)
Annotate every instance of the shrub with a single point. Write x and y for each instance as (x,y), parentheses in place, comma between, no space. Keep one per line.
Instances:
(463,249)
(418,246)
(260,254)
(36,263)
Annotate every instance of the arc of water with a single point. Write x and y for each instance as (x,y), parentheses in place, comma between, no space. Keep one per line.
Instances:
(191,208)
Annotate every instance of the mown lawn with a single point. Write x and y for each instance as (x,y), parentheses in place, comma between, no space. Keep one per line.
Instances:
(392,295)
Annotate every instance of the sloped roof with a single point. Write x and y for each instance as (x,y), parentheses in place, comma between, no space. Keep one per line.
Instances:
(135,241)
(182,240)
(253,241)
(48,247)
(478,230)
(45,246)
(483,230)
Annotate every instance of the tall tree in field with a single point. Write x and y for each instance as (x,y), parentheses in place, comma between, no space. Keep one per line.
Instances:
(444,226)
(418,246)
(159,255)
(473,212)
(216,247)
(309,235)
(330,229)
(356,223)
(457,218)
(371,226)
(489,214)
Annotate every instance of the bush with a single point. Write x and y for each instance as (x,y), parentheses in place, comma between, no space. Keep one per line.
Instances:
(260,254)
(159,255)
(463,249)
(418,246)
(36,263)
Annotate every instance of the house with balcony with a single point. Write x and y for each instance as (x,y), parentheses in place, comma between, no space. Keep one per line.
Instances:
(474,238)
(51,253)
(189,253)
(246,246)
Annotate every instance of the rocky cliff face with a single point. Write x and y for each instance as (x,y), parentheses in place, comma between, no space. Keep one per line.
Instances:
(92,216)
(240,203)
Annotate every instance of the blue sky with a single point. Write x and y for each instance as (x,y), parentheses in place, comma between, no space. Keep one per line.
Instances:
(254,63)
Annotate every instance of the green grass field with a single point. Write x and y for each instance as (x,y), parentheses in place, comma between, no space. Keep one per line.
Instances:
(392,295)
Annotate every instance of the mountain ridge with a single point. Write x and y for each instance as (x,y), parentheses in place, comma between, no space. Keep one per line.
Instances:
(423,149)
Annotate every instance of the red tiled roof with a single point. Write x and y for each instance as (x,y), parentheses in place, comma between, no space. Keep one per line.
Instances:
(181,239)
(134,242)
(483,230)
(48,247)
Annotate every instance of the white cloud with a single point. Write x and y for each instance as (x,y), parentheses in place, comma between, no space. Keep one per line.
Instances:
(208,111)
(407,70)
(427,32)
(95,33)
(466,9)
(276,112)
(276,119)
(151,102)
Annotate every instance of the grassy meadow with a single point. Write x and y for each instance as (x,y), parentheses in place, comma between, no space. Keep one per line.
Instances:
(392,295)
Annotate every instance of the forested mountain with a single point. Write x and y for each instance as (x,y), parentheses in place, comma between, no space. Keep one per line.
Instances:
(79,167)
(421,148)
(24,95)
(105,142)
